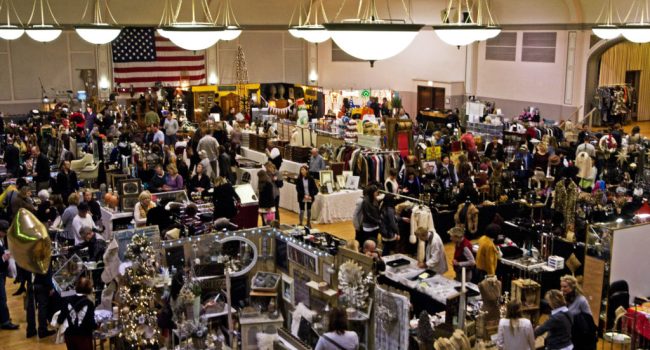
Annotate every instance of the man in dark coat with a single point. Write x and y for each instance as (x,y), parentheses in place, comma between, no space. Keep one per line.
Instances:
(41,169)
(5,319)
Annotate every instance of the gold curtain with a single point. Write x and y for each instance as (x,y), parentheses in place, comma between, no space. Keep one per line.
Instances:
(624,57)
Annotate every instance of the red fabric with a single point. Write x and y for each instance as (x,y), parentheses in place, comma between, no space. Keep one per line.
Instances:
(403,143)
(639,321)
(458,253)
(468,140)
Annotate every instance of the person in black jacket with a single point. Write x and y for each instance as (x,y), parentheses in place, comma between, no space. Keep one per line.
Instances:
(96,245)
(95,208)
(371,217)
(199,182)
(224,199)
(39,291)
(494,150)
(306,190)
(266,198)
(225,164)
(66,181)
(559,324)
(12,159)
(81,322)
(5,318)
(41,171)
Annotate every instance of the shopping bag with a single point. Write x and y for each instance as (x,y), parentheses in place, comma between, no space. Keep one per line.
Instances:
(12,272)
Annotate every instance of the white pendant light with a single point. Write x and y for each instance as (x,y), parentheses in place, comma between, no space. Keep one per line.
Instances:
(294,29)
(637,30)
(98,32)
(314,32)
(43,32)
(10,31)
(373,39)
(194,35)
(607,30)
(226,18)
(463,31)
(295,32)
(167,18)
(484,18)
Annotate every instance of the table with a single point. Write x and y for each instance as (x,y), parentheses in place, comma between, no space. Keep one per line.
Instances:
(335,207)
(289,198)
(260,157)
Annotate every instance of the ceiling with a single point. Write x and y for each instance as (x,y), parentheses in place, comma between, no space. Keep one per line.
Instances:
(277,13)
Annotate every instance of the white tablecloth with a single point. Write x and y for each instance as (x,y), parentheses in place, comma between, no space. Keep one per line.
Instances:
(260,157)
(335,207)
(288,197)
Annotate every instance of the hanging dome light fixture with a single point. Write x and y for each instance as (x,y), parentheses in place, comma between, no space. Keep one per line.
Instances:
(10,31)
(293,29)
(639,30)
(463,31)
(194,36)
(314,33)
(43,32)
(167,18)
(232,29)
(607,30)
(370,38)
(98,32)
(484,17)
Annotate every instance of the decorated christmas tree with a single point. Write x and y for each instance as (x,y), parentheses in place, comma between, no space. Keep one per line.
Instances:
(138,309)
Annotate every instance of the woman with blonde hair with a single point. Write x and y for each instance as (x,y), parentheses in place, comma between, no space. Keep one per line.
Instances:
(142,208)
(174,180)
(558,326)
(515,331)
(575,299)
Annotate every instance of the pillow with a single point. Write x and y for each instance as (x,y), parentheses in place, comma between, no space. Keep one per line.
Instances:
(573,263)
(265,341)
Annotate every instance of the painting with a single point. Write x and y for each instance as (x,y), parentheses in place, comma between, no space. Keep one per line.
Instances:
(352,183)
(129,187)
(326,176)
(128,202)
(287,289)
(391,320)
(340,180)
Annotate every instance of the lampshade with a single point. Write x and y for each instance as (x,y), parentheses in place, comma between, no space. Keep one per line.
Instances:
(636,33)
(606,31)
(487,33)
(313,33)
(194,36)
(10,32)
(162,32)
(373,41)
(231,33)
(460,34)
(43,32)
(98,33)
(295,32)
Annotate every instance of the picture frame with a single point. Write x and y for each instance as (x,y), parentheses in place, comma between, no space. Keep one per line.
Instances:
(129,187)
(287,289)
(352,183)
(346,174)
(127,202)
(326,176)
(340,180)
(330,189)
(116,178)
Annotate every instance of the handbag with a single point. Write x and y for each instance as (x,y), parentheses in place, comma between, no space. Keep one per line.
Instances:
(269,216)
(12,271)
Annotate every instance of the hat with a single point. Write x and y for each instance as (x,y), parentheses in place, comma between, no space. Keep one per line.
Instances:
(554,159)
(165,112)
(4,225)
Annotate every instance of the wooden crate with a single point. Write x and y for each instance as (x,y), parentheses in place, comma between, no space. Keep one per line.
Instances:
(528,293)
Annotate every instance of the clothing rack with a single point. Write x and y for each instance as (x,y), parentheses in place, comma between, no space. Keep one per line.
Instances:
(401,196)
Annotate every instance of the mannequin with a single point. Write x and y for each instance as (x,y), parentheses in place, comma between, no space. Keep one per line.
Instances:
(490,289)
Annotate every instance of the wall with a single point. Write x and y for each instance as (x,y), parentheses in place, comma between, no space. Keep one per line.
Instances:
(57,64)
(515,85)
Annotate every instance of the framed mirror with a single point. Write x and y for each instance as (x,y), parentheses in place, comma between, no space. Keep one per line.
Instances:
(240,254)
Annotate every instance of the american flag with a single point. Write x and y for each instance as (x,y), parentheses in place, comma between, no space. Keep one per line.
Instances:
(141,58)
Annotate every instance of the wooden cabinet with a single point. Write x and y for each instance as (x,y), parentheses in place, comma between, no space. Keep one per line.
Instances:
(528,293)
(203,101)
(230,100)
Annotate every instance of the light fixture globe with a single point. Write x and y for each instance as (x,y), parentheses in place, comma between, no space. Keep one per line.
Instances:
(373,41)
(162,33)
(43,32)
(606,31)
(231,33)
(295,32)
(459,34)
(10,32)
(489,33)
(194,36)
(98,33)
(636,33)
(315,33)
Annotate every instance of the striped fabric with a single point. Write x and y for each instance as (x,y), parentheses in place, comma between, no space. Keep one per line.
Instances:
(141,58)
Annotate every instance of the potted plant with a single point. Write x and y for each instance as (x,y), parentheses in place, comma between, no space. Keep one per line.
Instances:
(396,103)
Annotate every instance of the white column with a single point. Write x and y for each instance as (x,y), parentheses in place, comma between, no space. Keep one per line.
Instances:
(104,71)
(471,68)
(211,65)
(312,64)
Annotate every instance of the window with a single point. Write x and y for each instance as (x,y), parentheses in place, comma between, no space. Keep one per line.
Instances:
(338,55)
(502,48)
(539,47)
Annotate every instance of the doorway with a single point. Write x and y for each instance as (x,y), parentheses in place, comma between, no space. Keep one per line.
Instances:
(432,98)
(633,80)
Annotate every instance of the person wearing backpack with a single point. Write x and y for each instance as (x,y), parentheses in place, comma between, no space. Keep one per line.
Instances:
(583,332)
(559,324)
(79,312)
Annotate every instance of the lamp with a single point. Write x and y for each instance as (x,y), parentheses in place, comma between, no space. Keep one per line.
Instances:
(10,31)
(98,32)
(637,31)
(314,33)
(463,31)
(372,39)
(607,30)
(232,30)
(167,18)
(293,30)
(43,32)
(484,14)
(194,35)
